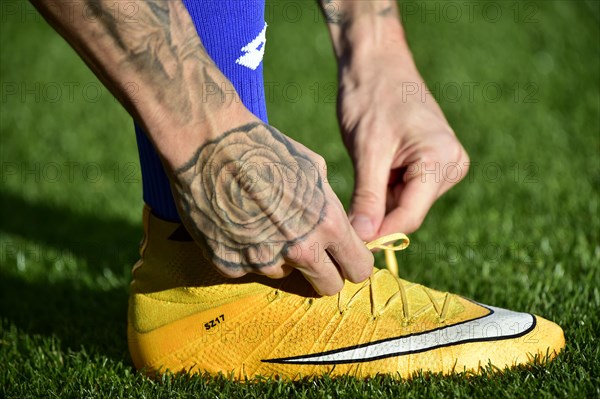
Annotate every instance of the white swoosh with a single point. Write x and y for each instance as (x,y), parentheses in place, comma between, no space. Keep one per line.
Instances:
(498,324)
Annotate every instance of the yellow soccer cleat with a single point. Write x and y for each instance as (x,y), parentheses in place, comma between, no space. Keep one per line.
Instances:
(184,316)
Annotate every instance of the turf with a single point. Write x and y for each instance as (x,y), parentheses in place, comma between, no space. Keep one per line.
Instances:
(522,231)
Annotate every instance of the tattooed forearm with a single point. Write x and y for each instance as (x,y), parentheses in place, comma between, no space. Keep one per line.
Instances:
(157,41)
(252,195)
(333,14)
(161,43)
(343,12)
(155,47)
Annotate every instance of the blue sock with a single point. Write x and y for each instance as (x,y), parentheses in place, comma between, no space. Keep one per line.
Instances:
(225,28)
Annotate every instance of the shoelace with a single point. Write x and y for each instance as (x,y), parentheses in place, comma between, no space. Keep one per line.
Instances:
(390,244)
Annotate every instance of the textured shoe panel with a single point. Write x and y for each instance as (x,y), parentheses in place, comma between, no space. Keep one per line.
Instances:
(259,328)
(255,330)
(185,317)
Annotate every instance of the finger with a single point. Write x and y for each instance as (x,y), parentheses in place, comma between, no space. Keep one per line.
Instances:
(352,256)
(368,199)
(231,273)
(275,271)
(316,266)
(343,244)
(455,171)
(416,198)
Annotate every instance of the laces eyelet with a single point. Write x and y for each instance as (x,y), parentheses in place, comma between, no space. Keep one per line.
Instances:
(308,303)
(272,296)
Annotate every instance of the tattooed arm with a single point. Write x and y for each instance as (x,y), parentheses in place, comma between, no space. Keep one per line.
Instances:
(257,200)
(149,55)
(393,128)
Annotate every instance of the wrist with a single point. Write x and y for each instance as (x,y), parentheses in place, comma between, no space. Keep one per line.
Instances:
(358,28)
(177,140)
(374,66)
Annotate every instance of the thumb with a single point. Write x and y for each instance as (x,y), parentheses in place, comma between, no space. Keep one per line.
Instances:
(368,200)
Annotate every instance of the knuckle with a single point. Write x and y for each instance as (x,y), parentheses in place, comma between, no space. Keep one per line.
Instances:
(363,273)
(366,197)
(331,289)
(231,272)
(461,164)
(453,150)
(300,254)
(330,223)
(430,158)
(413,223)
(321,164)
(318,161)
(465,161)
(273,271)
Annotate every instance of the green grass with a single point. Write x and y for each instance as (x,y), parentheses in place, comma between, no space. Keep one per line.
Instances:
(522,231)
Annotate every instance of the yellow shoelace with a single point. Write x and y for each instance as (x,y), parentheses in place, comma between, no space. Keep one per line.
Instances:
(389,244)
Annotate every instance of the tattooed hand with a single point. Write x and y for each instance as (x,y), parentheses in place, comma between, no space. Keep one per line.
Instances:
(261,204)
(257,198)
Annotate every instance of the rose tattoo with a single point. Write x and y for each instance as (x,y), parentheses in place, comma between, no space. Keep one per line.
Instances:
(251,194)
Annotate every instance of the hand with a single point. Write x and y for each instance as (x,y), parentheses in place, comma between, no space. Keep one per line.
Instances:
(267,225)
(405,154)
(261,203)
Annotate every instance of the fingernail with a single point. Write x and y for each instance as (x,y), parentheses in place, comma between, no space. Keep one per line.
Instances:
(363,226)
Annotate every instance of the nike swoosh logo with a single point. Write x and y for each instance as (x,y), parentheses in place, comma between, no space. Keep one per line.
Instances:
(499,324)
